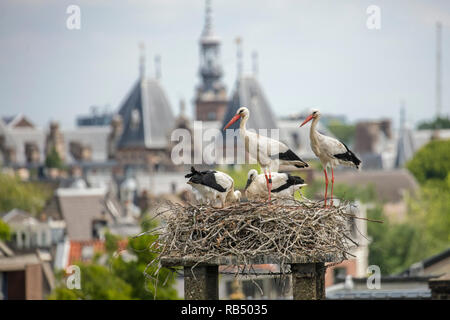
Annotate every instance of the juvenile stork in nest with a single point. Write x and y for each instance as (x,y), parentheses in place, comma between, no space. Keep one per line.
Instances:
(330,151)
(284,185)
(213,186)
(270,153)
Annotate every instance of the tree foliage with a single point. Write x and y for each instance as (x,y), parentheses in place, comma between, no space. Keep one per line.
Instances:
(341,131)
(430,211)
(426,230)
(432,161)
(124,277)
(438,123)
(27,196)
(5,231)
(97,283)
(393,246)
(240,175)
(53,160)
(134,272)
(341,191)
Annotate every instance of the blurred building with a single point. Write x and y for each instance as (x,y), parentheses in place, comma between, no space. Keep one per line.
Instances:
(211,94)
(95,118)
(24,276)
(30,233)
(391,187)
(375,144)
(427,279)
(356,265)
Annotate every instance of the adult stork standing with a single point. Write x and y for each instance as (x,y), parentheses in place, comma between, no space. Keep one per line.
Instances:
(284,185)
(211,186)
(330,151)
(269,153)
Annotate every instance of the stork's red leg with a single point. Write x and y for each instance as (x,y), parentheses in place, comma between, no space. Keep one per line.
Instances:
(326,185)
(332,184)
(267,181)
(270,184)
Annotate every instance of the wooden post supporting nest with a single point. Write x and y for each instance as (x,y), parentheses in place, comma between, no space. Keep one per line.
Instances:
(308,281)
(201,282)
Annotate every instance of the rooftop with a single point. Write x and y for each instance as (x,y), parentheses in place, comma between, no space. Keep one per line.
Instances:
(147,116)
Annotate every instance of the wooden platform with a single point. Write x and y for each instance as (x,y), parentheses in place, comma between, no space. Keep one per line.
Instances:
(201,282)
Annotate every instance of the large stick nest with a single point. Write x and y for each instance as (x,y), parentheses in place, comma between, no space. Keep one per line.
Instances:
(284,229)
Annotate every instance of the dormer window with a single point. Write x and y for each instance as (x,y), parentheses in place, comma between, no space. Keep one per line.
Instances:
(135,118)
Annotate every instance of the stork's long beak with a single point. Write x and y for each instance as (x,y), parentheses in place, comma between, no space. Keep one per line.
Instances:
(233,120)
(249,181)
(306,120)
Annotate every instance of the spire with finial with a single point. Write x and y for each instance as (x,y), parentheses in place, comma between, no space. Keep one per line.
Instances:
(142,60)
(239,56)
(255,63)
(158,67)
(207,30)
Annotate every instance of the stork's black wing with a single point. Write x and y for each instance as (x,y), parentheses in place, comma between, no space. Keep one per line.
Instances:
(206,178)
(289,155)
(291,181)
(348,156)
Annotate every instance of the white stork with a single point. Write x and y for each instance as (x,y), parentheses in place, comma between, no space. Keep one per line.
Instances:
(284,185)
(269,153)
(211,186)
(330,151)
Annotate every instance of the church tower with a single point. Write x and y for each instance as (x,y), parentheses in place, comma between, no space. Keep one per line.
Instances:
(211,95)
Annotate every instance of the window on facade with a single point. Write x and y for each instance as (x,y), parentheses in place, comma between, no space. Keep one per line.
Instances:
(98,227)
(34,241)
(44,239)
(24,237)
(339,274)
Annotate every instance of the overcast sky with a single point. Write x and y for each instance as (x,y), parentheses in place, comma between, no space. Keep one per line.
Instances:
(312,53)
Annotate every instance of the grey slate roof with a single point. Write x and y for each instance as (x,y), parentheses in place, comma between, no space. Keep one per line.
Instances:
(249,93)
(426,262)
(147,116)
(80,208)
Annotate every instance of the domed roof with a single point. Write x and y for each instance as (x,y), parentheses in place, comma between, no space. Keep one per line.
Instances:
(147,116)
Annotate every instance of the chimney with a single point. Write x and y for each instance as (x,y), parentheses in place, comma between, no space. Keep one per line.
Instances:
(366,137)
(55,140)
(114,135)
(386,127)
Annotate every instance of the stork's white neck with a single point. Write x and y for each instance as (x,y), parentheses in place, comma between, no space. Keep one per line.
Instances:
(313,132)
(243,125)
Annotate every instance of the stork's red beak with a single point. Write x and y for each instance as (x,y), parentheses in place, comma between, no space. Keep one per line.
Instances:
(306,120)
(233,120)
